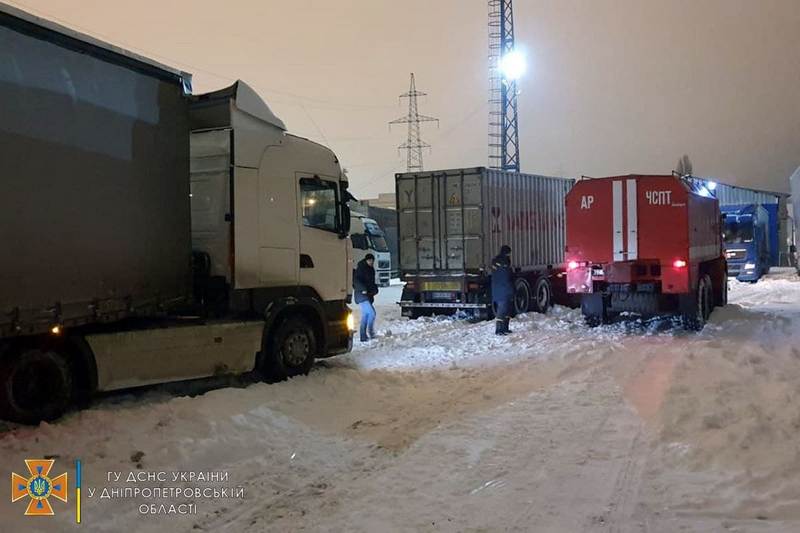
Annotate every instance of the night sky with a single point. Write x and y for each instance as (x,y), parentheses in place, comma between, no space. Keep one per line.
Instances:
(613,86)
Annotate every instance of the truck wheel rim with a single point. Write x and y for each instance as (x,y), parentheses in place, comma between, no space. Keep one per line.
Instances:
(296,349)
(543,297)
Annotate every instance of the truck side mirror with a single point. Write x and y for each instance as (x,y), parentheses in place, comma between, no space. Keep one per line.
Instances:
(359,241)
(344,230)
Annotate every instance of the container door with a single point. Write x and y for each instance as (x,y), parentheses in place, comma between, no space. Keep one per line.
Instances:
(461,231)
(416,200)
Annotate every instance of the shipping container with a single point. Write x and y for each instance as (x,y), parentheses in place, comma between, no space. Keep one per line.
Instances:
(453,222)
(645,245)
(456,220)
(94,143)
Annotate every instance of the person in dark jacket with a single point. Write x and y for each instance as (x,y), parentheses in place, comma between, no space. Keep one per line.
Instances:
(502,290)
(365,289)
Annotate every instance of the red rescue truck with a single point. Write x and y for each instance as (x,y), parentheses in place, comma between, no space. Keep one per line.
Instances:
(646,246)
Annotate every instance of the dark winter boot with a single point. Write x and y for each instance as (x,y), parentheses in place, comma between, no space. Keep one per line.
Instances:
(506,322)
(499,326)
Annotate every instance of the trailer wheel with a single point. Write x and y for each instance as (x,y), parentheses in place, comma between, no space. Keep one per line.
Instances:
(522,296)
(543,295)
(291,352)
(35,385)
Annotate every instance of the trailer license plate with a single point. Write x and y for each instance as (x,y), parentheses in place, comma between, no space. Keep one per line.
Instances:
(441,286)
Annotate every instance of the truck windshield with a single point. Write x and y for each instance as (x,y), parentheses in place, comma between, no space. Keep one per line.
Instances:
(376,237)
(378,243)
(737,232)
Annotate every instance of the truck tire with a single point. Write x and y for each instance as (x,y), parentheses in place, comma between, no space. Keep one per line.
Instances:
(35,385)
(414,314)
(709,297)
(522,296)
(723,292)
(291,351)
(698,309)
(594,310)
(542,295)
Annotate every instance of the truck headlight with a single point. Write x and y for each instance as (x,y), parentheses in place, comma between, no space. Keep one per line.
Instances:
(749,266)
(351,322)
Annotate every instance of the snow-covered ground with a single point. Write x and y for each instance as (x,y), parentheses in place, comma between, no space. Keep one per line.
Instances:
(438,425)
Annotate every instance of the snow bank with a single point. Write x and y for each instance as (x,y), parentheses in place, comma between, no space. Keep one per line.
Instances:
(440,416)
(734,403)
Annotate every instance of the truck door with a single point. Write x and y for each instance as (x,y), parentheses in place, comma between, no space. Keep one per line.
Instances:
(321,246)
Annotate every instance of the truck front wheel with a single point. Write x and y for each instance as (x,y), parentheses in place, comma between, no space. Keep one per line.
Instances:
(291,352)
(35,385)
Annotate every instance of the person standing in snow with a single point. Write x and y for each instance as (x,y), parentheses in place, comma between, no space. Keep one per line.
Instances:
(365,289)
(502,290)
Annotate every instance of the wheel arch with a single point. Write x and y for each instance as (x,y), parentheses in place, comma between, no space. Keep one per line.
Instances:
(281,310)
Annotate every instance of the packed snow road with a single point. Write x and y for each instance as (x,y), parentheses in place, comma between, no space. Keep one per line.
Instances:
(441,426)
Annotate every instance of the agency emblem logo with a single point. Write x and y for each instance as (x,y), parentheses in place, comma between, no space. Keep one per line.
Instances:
(39,487)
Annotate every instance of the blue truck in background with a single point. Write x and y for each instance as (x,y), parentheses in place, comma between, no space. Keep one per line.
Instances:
(758,229)
(747,236)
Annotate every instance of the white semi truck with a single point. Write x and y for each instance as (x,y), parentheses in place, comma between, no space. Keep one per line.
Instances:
(368,238)
(148,235)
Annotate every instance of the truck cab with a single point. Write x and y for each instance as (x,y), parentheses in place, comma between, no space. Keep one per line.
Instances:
(193,236)
(368,238)
(746,241)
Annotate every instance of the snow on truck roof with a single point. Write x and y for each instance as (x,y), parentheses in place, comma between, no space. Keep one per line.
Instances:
(64,36)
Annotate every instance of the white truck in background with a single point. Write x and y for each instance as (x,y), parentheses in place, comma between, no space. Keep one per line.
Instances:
(149,235)
(368,238)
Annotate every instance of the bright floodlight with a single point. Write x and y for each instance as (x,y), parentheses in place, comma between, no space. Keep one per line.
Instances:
(512,65)
(711,185)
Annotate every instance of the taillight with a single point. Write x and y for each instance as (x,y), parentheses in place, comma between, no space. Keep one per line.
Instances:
(572,265)
(679,263)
